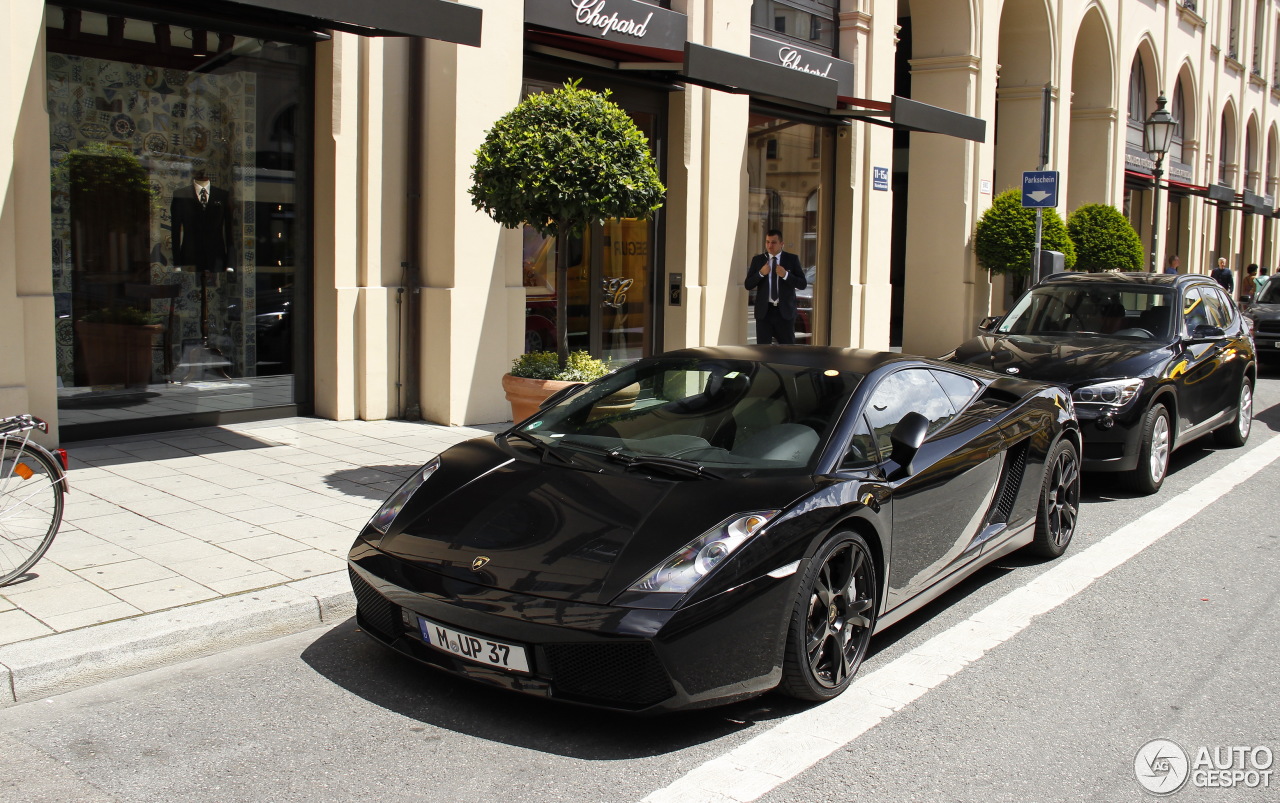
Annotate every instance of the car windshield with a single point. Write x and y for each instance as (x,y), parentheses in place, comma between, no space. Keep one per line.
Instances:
(697,417)
(1093,309)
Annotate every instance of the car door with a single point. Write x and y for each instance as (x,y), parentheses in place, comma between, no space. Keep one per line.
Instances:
(939,508)
(1199,374)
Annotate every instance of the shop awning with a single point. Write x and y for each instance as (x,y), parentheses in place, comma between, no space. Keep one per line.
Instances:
(731,72)
(430,19)
(905,114)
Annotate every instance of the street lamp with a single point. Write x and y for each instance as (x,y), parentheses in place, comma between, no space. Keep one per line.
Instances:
(1157,135)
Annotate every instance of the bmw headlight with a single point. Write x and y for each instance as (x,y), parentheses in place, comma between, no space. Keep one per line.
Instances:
(1116,393)
(391,508)
(682,571)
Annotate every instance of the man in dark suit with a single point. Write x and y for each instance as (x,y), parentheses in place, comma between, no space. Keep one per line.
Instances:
(775,275)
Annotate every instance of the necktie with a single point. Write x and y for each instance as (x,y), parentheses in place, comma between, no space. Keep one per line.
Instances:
(204,196)
(773,280)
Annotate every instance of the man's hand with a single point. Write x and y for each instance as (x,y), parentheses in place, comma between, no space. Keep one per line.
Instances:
(780,271)
(764,269)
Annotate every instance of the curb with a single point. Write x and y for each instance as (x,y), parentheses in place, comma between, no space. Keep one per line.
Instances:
(58,663)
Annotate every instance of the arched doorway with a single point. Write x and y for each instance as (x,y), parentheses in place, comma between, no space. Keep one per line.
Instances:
(1093,114)
(937,277)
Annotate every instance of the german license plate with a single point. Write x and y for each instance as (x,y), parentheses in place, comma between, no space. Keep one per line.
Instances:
(503,655)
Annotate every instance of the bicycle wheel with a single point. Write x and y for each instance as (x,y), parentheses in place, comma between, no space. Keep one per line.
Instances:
(30,508)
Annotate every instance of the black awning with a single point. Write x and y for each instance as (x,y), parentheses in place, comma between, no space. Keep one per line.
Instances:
(905,114)
(731,72)
(430,19)
(1222,194)
(1255,203)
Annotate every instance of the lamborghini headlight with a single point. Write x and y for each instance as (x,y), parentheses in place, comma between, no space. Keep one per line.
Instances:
(1116,393)
(391,508)
(682,571)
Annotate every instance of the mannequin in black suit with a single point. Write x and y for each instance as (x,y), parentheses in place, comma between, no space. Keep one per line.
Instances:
(201,231)
(778,276)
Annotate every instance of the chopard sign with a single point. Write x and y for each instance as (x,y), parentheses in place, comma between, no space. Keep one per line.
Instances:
(592,14)
(804,61)
(621,21)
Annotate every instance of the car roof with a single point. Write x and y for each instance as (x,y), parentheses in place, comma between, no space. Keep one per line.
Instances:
(1147,279)
(860,361)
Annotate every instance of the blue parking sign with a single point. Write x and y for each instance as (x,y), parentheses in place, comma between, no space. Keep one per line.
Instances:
(1040,189)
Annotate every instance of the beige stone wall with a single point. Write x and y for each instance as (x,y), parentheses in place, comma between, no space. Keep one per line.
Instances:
(27,376)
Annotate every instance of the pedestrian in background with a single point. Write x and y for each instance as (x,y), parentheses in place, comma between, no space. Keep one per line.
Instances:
(1260,283)
(1246,285)
(1222,275)
(1174,264)
(775,275)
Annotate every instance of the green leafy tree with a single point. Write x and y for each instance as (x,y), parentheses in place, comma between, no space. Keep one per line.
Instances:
(1104,239)
(1005,238)
(560,161)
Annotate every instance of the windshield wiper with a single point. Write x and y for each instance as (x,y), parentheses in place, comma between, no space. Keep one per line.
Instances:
(544,448)
(674,465)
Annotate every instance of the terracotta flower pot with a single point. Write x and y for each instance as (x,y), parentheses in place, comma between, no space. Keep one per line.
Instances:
(526,394)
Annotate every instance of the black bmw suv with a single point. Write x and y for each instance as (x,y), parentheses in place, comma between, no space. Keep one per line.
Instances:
(1153,361)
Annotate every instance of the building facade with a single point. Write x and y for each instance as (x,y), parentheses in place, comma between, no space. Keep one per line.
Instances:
(234,210)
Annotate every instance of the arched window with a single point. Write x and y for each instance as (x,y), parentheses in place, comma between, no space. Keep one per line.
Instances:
(1137,103)
(1178,109)
(1224,150)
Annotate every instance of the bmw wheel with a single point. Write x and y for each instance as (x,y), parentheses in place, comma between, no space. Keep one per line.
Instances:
(1059,505)
(1153,453)
(832,621)
(1237,432)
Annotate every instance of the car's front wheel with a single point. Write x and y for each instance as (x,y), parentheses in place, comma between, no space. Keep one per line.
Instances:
(1059,501)
(1154,451)
(832,620)
(1236,433)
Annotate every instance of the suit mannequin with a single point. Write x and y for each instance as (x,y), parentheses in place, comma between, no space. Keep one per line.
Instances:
(201,231)
(775,275)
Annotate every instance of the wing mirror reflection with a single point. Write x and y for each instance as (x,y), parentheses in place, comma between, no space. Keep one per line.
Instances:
(907,438)
(988,323)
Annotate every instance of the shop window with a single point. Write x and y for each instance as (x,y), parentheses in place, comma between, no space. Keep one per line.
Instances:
(786,193)
(809,22)
(179,239)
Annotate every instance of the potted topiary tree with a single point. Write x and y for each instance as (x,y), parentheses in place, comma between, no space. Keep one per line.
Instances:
(559,162)
(1104,239)
(1005,238)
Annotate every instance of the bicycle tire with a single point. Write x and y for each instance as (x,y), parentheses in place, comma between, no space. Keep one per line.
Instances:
(31,501)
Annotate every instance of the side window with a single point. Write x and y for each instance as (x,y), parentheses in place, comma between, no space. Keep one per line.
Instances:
(911,390)
(1222,312)
(959,389)
(1194,310)
(862,447)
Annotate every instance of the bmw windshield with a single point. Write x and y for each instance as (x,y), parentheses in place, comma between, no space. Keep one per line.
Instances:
(696,418)
(1102,310)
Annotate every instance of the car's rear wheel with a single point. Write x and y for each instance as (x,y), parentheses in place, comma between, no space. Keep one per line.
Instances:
(1059,505)
(1154,451)
(831,624)
(1237,432)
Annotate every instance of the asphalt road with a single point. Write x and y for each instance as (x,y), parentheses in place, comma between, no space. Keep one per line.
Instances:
(1178,642)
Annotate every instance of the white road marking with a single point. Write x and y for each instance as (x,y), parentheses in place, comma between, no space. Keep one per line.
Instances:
(779,754)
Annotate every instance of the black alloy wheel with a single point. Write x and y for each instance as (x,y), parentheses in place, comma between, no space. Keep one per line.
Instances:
(832,621)
(1059,506)
(1235,434)
(1153,452)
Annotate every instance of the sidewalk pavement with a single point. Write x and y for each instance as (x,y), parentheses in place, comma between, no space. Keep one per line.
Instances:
(188,543)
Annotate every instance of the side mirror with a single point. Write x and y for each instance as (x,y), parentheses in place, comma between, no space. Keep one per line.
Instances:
(989,323)
(906,438)
(560,395)
(1207,332)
